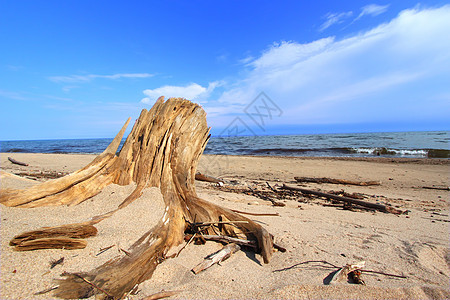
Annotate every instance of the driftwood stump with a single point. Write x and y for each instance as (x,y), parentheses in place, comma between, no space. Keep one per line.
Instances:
(162,151)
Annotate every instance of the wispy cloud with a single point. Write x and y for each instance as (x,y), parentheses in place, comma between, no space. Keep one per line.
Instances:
(192,91)
(389,72)
(90,77)
(246,60)
(335,18)
(372,10)
(222,57)
(12,95)
(14,68)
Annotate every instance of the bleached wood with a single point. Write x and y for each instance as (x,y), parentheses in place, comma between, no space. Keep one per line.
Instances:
(162,150)
(216,258)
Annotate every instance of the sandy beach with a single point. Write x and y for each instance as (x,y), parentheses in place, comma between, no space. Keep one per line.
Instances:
(317,236)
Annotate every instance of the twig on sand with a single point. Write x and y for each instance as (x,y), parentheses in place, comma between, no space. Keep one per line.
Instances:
(190,240)
(255,214)
(160,295)
(329,265)
(104,250)
(47,290)
(12,160)
(56,262)
(383,273)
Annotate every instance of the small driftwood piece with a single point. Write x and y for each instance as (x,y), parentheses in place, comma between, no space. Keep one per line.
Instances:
(56,262)
(161,295)
(379,207)
(51,243)
(343,272)
(335,181)
(60,237)
(445,188)
(203,177)
(216,257)
(12,160)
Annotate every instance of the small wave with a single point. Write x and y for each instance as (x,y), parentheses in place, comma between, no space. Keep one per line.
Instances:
(432,153)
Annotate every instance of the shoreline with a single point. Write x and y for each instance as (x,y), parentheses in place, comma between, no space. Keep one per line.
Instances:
(383,159)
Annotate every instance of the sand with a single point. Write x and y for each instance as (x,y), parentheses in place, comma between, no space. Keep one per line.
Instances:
(415,245)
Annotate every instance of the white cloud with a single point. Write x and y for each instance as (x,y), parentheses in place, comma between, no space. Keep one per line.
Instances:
(334,18)
(90,77)
(371,76)
(192,91)
(372,10)
(282,55)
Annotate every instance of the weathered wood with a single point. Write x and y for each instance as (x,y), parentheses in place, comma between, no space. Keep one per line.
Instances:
(380,207)
(71,230)
(58,237)
(51,243)
(203,177)
(162,150)
(73,188)
(216,257)
(335,181)
(12,160)
(228,239)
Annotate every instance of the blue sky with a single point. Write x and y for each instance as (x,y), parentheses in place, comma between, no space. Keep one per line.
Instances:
(79,69)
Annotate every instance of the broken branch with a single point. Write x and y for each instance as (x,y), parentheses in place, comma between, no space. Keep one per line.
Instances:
(12,160)
(379,207)
(203,177)
(228,239)
(446,188)
(335,181)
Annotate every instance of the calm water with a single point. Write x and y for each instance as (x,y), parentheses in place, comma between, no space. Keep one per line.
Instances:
(392,144)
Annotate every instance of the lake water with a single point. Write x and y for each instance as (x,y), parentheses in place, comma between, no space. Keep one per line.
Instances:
(434,144)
